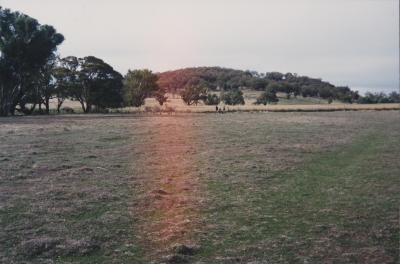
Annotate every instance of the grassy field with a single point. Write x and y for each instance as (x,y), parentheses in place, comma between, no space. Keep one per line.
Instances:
(240,187)
(299,104)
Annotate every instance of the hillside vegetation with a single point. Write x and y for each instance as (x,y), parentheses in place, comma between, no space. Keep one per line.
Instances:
(217,78)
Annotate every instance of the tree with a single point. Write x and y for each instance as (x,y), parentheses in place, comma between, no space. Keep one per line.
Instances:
(379,98)
(8,89)
(160,96)
(275,87)
(325,93)
(344,94)
(287,88)
(233,97)
(258,84)
(100,85)
(139,85)
(67,82)
(212,99)
(193,94)
(296,89)
(47,84)
(309,91)
(25,47)
(267,97)
(394,97)
(90,81)
(274,76)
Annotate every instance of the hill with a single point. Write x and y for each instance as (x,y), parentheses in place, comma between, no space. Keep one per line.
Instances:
(218,78)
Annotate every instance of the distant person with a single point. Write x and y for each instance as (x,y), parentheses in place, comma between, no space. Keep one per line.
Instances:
(223,109)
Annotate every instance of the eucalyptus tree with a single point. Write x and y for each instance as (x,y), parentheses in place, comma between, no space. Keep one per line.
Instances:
(66,76)
(193,94)
(46,85)
(160,96)
(90,81)
(99,85)
(139,85)
(233,97)
(25,47)
(267,97)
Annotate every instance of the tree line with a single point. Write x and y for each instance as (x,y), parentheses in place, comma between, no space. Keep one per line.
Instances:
(380,98)
(32,75)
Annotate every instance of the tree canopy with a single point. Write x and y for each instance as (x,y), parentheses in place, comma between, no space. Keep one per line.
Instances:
(25,48)
(233,97)
(193,94)
(267,97)
(139,85)
(100,85)
(90,81)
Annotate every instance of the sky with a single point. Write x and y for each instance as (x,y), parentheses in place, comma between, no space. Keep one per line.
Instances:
(345,42)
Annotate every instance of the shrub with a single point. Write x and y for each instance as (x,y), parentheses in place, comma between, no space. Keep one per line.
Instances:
(193,94)
(160,97)
(212,99)
(267,97)
(233,97)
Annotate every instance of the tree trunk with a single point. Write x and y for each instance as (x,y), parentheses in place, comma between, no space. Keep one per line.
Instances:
(4,109)
(59,104)
(5,106)
(25,110)
(83,105)
(13,107)
(88,108)
(47,104)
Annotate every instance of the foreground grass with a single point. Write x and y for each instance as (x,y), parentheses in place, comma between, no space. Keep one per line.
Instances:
(243,187)
(342,207)
(65,192)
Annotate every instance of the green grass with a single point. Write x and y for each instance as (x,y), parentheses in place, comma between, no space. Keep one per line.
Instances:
(349,190)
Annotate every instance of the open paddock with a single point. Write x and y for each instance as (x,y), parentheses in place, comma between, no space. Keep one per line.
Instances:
(249,187)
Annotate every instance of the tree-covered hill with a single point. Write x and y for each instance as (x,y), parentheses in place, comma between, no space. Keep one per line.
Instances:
(217,78)
(212,77)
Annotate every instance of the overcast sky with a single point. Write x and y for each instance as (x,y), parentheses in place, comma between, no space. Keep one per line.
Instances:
(346,42)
